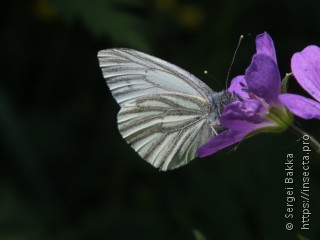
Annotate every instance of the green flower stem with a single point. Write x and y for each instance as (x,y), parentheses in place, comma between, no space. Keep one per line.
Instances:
(313,142)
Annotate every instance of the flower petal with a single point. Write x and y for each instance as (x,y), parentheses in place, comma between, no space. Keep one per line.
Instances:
(237,86)
(264,45)
(305,66)
(221,141)
(240,115)
(301,106)
(241,118)
(263,78)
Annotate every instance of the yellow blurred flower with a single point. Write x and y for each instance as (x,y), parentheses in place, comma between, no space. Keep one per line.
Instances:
(188,16)
(44,10)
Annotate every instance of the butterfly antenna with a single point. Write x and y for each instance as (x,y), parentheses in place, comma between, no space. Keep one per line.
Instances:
(234,56)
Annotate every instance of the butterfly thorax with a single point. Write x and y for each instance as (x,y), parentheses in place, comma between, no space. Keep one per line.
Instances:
(219,101)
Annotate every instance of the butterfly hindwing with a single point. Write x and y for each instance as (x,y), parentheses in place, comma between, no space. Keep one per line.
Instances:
(165,129)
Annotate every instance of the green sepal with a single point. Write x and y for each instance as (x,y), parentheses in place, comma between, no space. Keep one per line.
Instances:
(281,118)
(284,83)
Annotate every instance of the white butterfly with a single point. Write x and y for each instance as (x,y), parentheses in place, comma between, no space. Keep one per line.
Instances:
(166,113)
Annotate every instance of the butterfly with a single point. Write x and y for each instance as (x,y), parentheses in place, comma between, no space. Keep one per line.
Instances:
(166,113)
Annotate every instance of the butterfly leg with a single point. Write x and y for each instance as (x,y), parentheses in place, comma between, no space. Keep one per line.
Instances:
(213,130)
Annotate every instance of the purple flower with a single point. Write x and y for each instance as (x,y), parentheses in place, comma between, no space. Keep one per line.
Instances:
(305,67)
(257,107)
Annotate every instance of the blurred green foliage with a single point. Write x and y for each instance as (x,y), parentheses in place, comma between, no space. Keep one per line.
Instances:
(65,171)
(110,18)
(302,237)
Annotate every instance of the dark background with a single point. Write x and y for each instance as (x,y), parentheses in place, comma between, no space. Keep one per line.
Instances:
(65,171)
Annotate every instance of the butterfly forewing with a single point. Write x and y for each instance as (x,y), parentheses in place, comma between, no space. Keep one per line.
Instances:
(164,111)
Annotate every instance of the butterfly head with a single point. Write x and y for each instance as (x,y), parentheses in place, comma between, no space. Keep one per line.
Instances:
(219,101)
